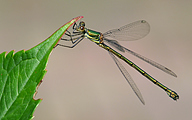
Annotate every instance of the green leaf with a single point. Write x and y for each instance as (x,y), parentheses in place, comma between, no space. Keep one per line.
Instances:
(21,73)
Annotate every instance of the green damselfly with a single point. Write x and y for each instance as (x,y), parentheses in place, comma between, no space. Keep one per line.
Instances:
(133,31)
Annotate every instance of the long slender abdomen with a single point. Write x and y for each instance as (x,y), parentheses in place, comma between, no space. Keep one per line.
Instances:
(171,93)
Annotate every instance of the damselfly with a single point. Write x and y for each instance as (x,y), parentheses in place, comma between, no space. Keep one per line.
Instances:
(133,31)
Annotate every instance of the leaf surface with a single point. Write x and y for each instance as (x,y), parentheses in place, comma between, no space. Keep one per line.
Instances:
(20,75)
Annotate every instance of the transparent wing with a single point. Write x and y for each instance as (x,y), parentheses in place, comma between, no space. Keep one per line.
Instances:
(132,31)
(128,78)
(153,63)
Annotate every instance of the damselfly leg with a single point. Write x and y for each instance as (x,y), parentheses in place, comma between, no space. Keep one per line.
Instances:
(75,37)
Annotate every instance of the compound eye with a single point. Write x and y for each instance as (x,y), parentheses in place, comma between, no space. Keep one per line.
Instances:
(82,23)
(82,28)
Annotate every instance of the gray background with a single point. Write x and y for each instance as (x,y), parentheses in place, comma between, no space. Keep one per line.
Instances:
(84,83)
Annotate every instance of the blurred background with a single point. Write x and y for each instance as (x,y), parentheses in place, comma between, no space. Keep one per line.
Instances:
(84,83)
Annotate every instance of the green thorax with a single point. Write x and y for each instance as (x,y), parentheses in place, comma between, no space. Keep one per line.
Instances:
(93,35)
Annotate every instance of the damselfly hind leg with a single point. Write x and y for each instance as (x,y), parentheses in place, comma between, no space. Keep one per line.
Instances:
(79,39)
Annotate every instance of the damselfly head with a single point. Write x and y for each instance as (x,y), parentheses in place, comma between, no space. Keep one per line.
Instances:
(81,26)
